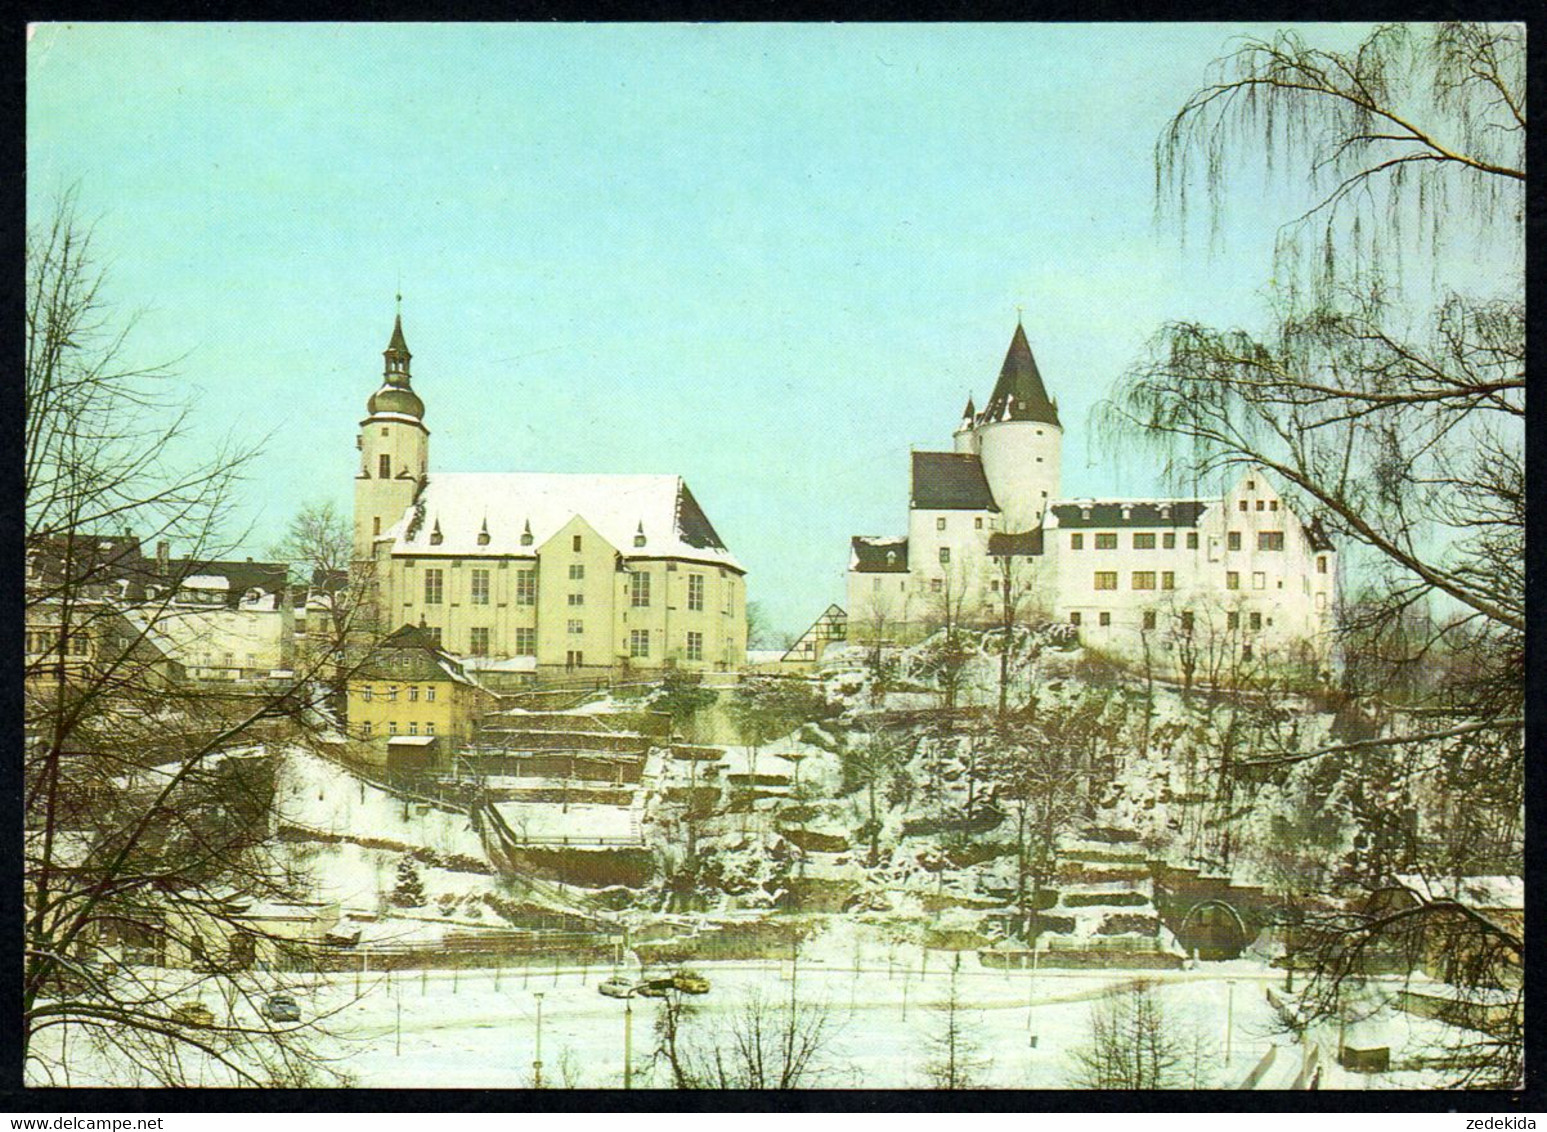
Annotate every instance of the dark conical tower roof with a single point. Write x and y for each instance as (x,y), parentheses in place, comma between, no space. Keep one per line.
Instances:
(1020,394)
(398,345)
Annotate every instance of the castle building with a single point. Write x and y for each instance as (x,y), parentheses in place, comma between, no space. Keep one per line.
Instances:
(1194,585)
(523,572)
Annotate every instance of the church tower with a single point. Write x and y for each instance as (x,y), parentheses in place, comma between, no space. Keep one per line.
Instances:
(1020,440)
(394,448)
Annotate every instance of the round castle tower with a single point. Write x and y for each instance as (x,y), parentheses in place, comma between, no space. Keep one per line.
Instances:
(394,448)
(1020,440)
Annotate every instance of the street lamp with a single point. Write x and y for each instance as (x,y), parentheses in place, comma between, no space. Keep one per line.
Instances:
(628,1040)
(537,1062)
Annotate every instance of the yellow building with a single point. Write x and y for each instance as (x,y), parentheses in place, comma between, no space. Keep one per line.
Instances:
(581,574)
(411,704)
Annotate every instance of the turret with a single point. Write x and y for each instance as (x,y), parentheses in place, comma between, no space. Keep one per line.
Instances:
(394,448)
(1020,439)
(966,440)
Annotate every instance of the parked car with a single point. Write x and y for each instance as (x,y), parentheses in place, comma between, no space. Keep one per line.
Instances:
(616,987)
(282,1008)
(690,982)
(656,988)
(193,1014)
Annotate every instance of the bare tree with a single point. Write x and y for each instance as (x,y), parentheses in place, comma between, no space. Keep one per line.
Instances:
(1403,435)
(763,1045)
(1134,1043)
(956,1060)
(147,798)
(319,547)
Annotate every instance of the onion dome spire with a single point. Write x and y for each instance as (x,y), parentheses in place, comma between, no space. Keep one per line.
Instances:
(396,394)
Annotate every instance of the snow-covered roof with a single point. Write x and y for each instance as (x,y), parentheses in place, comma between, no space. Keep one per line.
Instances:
(410,740)
(508,664)
(206,582)
(657,510)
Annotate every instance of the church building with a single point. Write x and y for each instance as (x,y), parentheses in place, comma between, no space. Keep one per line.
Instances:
(538,572)
(1193,584)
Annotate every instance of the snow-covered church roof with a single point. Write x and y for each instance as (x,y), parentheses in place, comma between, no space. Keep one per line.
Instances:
(473,514)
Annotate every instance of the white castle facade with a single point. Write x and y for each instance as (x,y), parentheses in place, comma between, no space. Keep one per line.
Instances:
(1196,586)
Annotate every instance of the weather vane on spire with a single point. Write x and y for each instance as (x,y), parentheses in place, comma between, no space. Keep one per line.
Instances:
(1019,312)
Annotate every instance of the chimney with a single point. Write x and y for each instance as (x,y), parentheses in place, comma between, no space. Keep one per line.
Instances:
(163,555)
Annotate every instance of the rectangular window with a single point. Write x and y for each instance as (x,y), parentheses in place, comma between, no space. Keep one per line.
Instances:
(376,525)
(639,642)
(574,658)
(526,642)
(695,646)
(391,727)
(695,591)
(429,729)
(1272,505)
(429,695)
(940,523)
(1246,651)
(1106,542)
(1106,579)
(413,695)
(480,587)
(479,641)
(434,586)
(639,590)
(1187,621)
(1232,620)
(365,729)
(945,556)
(413,727)
(1270,540)
(1259,580)
(936,585)
(1144,579)
(576,571)
(1074,618)
(1192,540)
(994,585)
(392,695)
(1321,565)
(366,695)
(1260,504)
(526,587)
(384,467)
(1242,505)
(1104,618)
(1076,542)
(1144,541)
(575,544)
(1149,619)
(576,626)
(977,523)
(1321,601)
(1232,580)
(577,599)
(1255,620)
(1168,579)
(1233,540)
(1168,540)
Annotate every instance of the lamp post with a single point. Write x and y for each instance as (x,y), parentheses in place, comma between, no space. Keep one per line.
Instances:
(628,1041)
(537,1061)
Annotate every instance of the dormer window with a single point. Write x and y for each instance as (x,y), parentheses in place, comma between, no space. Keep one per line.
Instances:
(639,535)
(891,558)
(526,534)
(435,536)
(1165,511)
(1127,512)
(483,534)
(1085,512)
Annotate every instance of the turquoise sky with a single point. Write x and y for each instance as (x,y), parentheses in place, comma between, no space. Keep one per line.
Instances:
(769,258)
